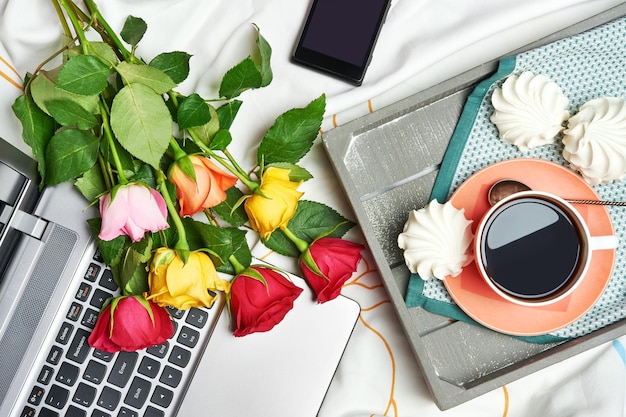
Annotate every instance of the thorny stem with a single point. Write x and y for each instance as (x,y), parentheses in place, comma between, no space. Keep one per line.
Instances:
(209,217)
(109,136)
(71,13)
(239,268)
(236,171)
(234,162)
(235,168)
(100,21)
(300,244)
(176,149)
(66,30)
(44,62)
(96,20)
(66,27)
(106,171)
(181,243)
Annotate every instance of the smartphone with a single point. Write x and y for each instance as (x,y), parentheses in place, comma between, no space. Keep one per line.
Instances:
(338,36)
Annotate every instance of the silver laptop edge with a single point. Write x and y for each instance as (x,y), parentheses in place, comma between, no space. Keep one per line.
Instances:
(50,252)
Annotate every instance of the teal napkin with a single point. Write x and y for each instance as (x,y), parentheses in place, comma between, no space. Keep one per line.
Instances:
(586,66)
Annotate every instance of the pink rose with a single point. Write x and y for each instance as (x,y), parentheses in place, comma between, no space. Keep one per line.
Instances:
(328,263)
(259,299)
(133,210)
(125,324)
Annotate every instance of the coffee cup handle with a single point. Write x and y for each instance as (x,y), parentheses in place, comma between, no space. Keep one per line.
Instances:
(603,242)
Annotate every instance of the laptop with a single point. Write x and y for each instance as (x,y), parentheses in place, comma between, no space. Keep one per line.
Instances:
(52,285)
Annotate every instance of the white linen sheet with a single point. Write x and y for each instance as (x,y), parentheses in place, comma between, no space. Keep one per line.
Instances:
(423,42)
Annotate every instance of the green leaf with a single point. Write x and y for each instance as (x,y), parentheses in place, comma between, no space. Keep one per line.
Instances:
(229,211)
(111,250)
(91,185)
(189,147)
(221,140)
(243,76)
(227,113)
(100,49)
(192,112)
(186,166)
(255,274)
(241,251)
(174,64)
(133,30)
(249,74)
(132,274)
(128,164)
(167,237)
(145,304)
(265,53)
(37,129)
(223,241)
(145,174)
(315,219)
(69,113)
(104,51)
(293,134)
(141,122)
(69,154)
(280,243)
(312,220)
(86,75)
(144,74)
(206,133)
(296,173)
(43,89)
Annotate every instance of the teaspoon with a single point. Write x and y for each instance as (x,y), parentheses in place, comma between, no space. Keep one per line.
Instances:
(504,188)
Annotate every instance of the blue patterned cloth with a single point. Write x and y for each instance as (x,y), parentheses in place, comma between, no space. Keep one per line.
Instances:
(586,66)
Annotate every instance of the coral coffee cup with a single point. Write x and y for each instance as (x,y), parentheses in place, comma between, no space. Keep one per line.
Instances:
(534,248)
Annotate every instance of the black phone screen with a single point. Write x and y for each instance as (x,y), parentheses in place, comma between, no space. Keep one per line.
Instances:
(339,35)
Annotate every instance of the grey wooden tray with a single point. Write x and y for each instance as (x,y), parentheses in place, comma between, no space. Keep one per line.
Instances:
(387,162)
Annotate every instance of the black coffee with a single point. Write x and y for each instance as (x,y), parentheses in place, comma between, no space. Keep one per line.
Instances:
(530,248)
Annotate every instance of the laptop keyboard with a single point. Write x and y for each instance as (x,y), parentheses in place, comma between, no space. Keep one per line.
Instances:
(79,381)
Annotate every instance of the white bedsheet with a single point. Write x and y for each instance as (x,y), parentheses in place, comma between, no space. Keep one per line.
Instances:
(423,42)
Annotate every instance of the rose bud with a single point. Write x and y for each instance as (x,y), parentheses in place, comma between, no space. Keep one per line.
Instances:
(259,299)
(132,210)
(207,190)
(275,203)
(183,285)
(130,323)
(328,263)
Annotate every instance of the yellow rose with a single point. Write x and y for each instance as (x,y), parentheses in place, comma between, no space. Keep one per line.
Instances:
(275,202)
(183,285)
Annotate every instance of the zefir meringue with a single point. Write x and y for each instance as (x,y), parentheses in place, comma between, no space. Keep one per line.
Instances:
(529,110)
(595,140)
(436,241)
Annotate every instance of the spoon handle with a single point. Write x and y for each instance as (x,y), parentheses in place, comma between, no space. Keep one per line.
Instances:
(599,202)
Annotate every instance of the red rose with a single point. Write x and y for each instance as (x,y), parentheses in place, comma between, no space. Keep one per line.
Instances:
(259,299)
(125,324)
(328,263)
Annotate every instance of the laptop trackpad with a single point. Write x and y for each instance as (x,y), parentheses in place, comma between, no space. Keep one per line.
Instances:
(281,373)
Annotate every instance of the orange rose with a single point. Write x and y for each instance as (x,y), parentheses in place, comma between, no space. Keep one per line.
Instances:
(206,191)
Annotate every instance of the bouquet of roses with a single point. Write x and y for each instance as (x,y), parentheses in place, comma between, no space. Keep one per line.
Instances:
(152,159)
